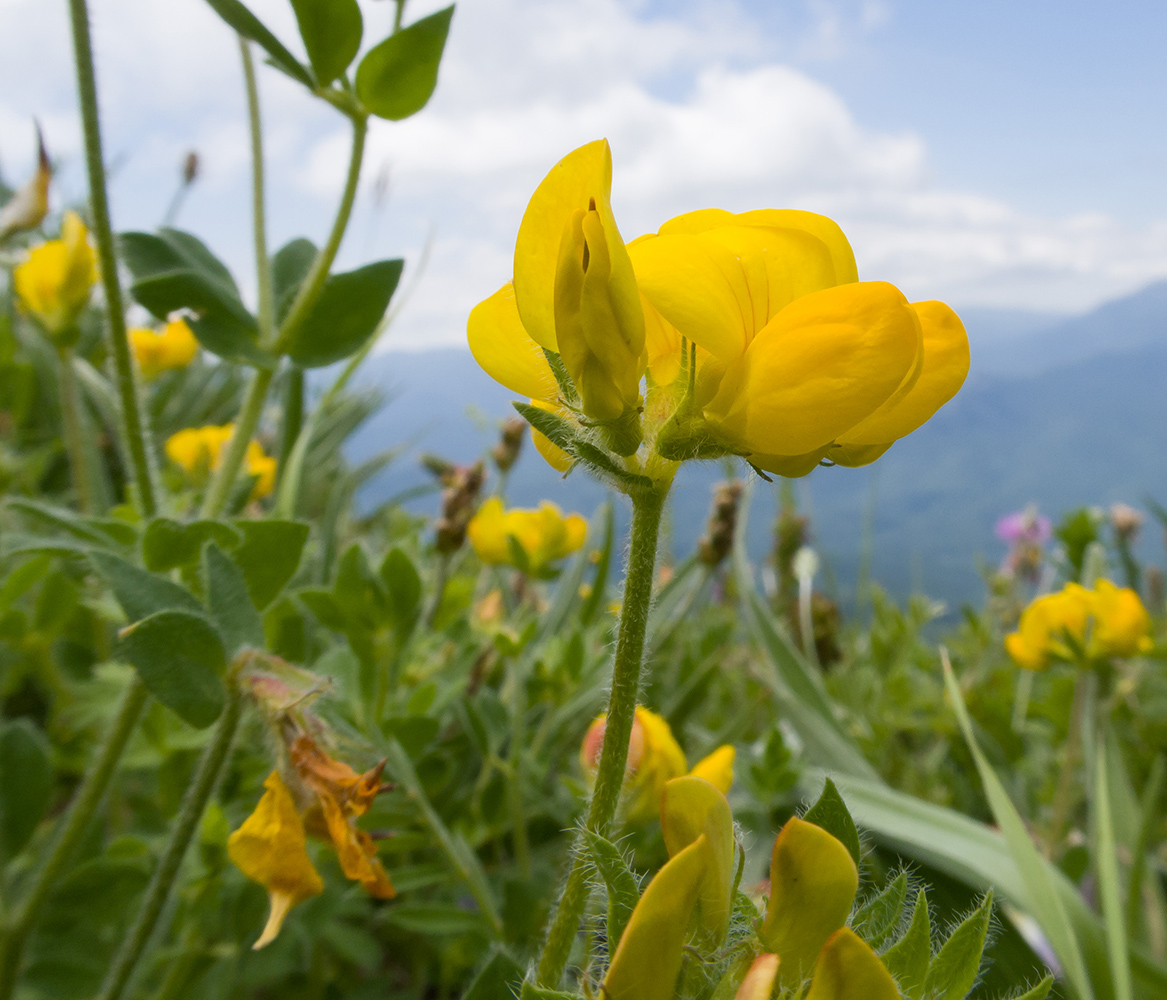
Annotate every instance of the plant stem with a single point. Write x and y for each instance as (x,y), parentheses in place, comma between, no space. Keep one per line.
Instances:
(69,832)
(293,419)
(133,432)
(646,516)
(263,279)
(522,842)
(223,482)
(79,468)
(1138,870)
(162,881)
(309,292)
(1062,797)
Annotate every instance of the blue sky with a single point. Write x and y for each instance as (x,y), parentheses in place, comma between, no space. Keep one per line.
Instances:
(990,154)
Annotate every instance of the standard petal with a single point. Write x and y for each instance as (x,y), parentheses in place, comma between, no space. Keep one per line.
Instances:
(503,349)
(819,226)
(945,366)
(582,175)
(825,362)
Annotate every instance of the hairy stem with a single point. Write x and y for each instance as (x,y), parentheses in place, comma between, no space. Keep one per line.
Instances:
(68,834)
(79,467)
(133,946)
(134,437)
(643,534)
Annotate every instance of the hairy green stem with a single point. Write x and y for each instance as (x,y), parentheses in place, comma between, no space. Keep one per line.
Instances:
(79,467)
(162,881)
(135,439)
(646,516)
(68,834)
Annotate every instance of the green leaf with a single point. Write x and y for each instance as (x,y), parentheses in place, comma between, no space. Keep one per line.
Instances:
(1044,902)
(403,587)
(831,813)
(954,970)
(435,919)
(532,992)
(346,314)
(179,657)
(269,556)
(26,784)
(397,77)
(623,890)
(166,544)
(331,30)
(141,593)
(1039,992)
(22,578)
(102,533)
(289,268)
(497,979)
(325,607)
(877,919)
(239,623)
(552,426)
(908,959)
(603,466)
(174,270)
(249,26)
(1106,862)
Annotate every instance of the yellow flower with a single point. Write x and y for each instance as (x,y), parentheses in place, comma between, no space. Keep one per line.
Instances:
(654,759)
(544,535)
(174,347)
(271,846)
(199,451)
(55,281)
(573,293)
(1076,625)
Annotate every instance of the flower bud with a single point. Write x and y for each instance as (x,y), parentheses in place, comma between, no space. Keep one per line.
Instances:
(27,208)
(510,443)
(715,544)
(462,485)
(1125,520)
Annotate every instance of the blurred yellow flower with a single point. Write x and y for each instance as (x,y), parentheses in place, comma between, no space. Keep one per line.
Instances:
(199,451)
(654,759)
(271,846)
(174,346)
(1077,625)
(55,281)
(544,535)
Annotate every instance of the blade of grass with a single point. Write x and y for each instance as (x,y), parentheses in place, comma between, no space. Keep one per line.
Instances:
(1106,863)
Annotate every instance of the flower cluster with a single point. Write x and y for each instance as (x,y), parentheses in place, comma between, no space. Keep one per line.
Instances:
(1080,625)
(654,759)
(542,536)
(199,451)
(55,281)
(753,331)
(174,346)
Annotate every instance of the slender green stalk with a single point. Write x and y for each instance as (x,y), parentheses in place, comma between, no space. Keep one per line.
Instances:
(263,278)
(162,881)
(79,467)
(441,578)
(223,482)
(522,842)
(1152,795)
(135,439)
(68,834)
(1072,754)
(646,516)
(293,419)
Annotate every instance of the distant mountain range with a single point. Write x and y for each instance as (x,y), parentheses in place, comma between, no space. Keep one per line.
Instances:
(1057,411)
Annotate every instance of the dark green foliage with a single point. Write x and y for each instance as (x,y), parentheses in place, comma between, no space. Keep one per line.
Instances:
(397,77)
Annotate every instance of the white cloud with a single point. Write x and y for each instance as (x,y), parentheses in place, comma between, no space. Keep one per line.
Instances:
(697,112)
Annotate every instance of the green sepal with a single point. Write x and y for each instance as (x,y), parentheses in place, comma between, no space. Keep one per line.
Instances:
(953,972)
(831,813)
(877,919)
(623,889)
(909,957)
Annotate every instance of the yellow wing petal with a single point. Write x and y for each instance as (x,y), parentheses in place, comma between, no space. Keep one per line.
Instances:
(503,349)
(717,768)
(847,969)
(582,175)
(825,362)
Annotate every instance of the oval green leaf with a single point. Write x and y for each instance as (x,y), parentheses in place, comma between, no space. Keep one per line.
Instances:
(397,77)
(331,30)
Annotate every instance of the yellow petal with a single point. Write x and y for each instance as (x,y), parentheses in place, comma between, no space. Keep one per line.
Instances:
(719,288)
(504,350)
(662,342)
(854,456)
(648,958)
(825,362)
(717,768)
(271,848)
(279,906)
(847,969)
(581,176)
(791,466)
(813,880)
(827,230)
(945,366)
(661,760)
(351,851)
(488,535)
(555,456)
(759,981)
(1121,623)
(1023,654)
(692,807)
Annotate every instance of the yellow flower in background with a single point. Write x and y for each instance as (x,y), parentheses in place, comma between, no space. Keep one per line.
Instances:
(544,535)
(199,451)
(55,282)
(173,347)
(1075,624)
(654,759)
(271,846)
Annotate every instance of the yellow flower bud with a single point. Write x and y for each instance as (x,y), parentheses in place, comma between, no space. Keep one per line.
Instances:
(174,347)
(55,281)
